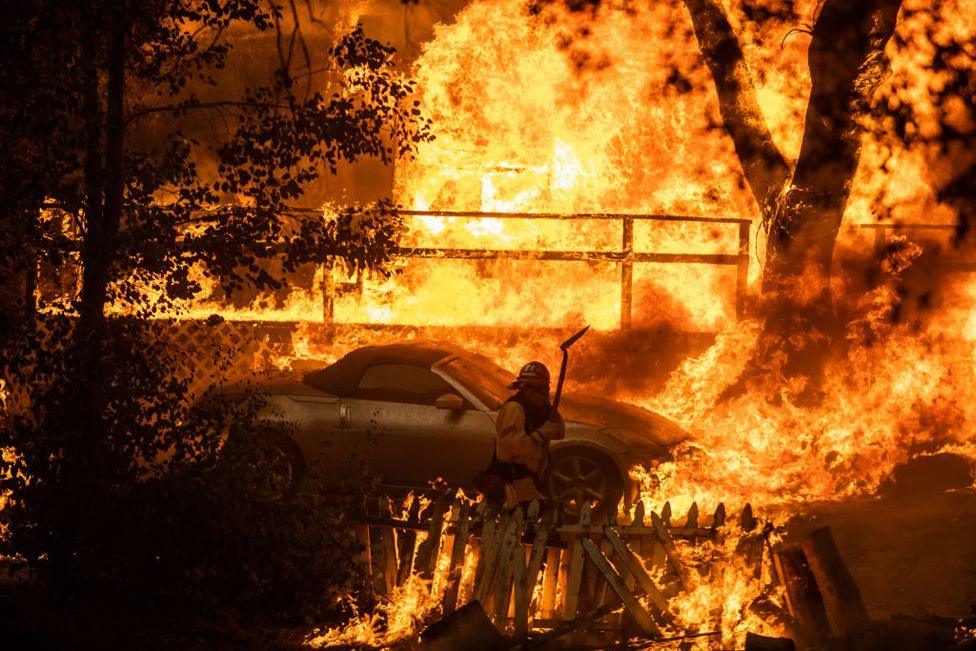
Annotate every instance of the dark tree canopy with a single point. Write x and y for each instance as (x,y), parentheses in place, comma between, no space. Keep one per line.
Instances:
(99,162)
(107,195)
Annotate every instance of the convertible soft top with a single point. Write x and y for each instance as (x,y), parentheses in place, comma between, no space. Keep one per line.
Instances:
(343,377)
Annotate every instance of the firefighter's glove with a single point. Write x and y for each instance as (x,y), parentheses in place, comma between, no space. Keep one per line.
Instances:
(552,430)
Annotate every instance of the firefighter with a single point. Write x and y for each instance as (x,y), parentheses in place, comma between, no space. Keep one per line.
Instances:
(522,434)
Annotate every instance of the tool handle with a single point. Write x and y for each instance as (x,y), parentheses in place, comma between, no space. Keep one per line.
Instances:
(554,415)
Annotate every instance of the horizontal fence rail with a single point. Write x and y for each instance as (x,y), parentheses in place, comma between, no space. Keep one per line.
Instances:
(626,257)
(481,214)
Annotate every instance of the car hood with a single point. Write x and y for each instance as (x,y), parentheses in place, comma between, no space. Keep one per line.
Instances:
(633,425)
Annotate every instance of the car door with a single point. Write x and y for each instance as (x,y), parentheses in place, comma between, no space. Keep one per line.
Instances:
(411,441)
(323,435)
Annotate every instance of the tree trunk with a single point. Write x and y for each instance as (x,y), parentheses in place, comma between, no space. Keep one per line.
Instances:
(105,183)
(85,475)
(765,169)
(106,188)
(18,272)
(846,65)
(803,213)
(846,60)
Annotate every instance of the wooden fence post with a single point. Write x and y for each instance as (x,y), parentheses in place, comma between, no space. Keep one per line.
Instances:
(742,271)
(718,520)
(841,596)
(803,598)
(635,522)
(507,557)
(574,574)
(462,524)
(524,589)
(633,566)
(691,520)
(389,548)
(488,529)
(617,584)
(550,582)
(752,543)
(627,274)
(488,563)
(747,520)
(665,539)
(407,543)
(429,548)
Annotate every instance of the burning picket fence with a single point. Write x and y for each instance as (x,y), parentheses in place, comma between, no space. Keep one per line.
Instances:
(642,575)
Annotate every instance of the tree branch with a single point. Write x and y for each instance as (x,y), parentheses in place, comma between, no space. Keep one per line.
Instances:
(175,108)
(765,169)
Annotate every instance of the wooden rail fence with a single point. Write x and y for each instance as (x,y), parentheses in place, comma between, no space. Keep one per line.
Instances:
(882,229)
(626,256)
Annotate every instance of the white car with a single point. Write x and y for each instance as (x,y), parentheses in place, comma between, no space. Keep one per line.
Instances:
(413,413)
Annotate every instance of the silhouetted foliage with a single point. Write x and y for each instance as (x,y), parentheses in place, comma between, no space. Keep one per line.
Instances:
(183,503)
(112,474)
(928,104)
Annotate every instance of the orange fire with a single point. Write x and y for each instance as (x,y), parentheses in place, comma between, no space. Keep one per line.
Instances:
(573,112)
(612,111)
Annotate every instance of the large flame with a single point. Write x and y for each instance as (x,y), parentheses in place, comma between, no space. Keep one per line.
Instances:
(611,110)
(556,111)
(523,123)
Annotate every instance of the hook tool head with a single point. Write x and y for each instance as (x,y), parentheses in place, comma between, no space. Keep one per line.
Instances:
(572,340)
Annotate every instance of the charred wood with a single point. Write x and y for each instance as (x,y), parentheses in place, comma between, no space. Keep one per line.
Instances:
(841,596)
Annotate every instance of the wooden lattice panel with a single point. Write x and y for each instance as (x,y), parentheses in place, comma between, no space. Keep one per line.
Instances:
(217,352)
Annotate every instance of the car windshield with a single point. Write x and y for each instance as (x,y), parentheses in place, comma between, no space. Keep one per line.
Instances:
(488,381)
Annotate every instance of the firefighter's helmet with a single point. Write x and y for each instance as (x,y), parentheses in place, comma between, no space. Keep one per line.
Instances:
(533,374)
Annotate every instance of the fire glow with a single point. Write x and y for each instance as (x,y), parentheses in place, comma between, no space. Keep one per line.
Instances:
(549,132)
(586,120)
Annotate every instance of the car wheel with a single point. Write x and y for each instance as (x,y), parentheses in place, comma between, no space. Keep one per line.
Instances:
(288,461)
(271,460)
(579,476)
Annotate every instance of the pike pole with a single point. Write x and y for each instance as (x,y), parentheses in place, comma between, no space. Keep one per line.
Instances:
(562,371)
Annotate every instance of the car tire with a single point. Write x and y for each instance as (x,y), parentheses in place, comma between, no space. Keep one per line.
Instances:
(275,454)
(576,475)
(293,458)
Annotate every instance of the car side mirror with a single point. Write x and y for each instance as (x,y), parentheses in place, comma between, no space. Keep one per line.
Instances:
(450,401)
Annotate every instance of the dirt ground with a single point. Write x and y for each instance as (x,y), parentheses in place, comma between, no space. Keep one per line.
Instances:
(909,555)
